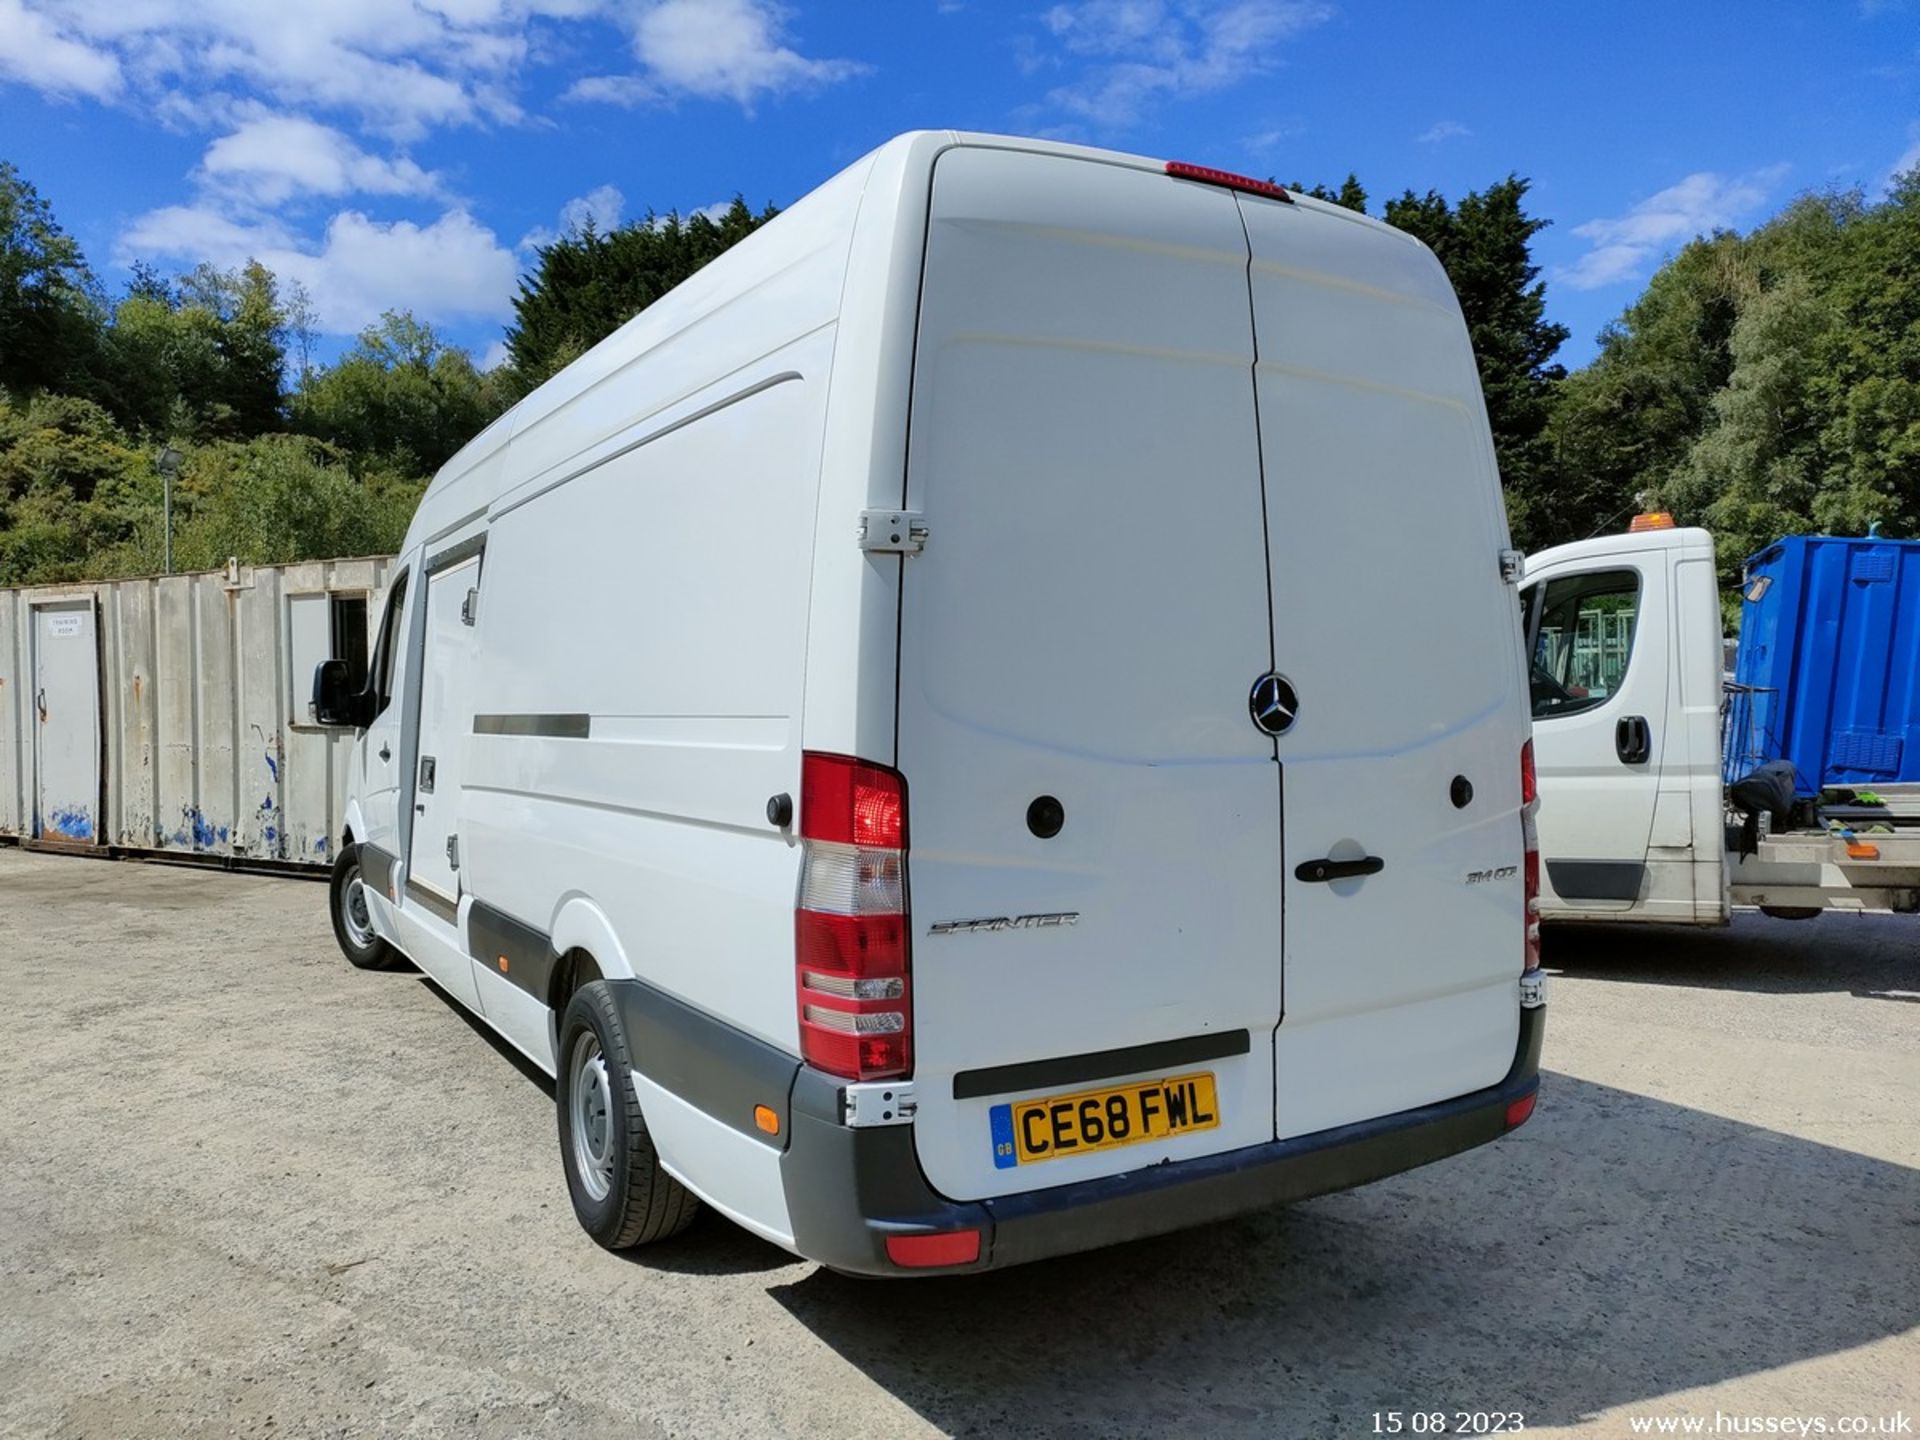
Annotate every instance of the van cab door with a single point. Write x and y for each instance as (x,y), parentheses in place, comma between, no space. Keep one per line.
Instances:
(1623,646)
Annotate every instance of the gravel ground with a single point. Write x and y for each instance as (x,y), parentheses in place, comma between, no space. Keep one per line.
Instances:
(246,1190)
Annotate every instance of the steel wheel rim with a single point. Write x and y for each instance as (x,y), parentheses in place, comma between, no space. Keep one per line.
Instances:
(590,1106)
(354,911)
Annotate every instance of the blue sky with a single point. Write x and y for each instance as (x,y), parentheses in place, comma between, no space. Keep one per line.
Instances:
(407,153)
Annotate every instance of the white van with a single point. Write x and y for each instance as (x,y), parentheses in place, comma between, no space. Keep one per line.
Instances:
(988,722)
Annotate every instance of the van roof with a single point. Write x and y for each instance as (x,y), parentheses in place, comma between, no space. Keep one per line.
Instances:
(867,192)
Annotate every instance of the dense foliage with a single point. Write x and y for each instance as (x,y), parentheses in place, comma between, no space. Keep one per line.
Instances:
(1762,384)
(1765,384)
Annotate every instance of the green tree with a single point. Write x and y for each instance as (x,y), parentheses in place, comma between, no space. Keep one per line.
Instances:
(1765,384)
(1485,243)
(401,398)
(50,310)
(588,284)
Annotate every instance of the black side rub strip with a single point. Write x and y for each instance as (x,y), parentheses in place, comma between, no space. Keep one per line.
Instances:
(1316,871)
(706,1062)
(504,945)
(376,868)
(1098,1064)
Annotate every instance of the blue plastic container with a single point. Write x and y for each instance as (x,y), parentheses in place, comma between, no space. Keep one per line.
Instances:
(1830,644)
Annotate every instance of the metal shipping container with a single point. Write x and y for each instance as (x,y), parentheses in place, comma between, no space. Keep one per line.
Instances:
(1828,669)
(169,714)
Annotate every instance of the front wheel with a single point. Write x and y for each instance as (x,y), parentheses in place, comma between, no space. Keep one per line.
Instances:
(352,924)
(622,1195)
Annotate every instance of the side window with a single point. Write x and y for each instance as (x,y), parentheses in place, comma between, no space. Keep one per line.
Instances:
(1583,628)
(389,643)
(326,625)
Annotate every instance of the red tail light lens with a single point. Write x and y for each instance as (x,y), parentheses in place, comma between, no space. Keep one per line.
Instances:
(851,951)
(852,803)
(1529,801)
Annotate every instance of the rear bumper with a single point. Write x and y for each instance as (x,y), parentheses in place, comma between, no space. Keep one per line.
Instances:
(848,1189)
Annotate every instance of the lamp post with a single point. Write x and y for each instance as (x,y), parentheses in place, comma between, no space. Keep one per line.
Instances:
(167,462)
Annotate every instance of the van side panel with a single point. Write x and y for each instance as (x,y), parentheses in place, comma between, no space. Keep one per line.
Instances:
(1086,622)
(644,631)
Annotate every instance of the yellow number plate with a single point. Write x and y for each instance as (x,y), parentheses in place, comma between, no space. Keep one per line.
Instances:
(1026,1131)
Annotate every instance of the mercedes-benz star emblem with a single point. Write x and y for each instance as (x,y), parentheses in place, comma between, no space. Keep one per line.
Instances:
(1273,704)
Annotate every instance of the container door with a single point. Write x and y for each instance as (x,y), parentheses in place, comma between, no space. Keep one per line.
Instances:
(1600,667)
(1093,818)
(66,730)
(1398,639)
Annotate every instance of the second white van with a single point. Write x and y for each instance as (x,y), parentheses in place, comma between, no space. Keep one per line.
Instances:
(988,722)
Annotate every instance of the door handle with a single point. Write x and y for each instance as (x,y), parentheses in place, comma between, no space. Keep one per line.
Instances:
(40,704)
(385,753)
(1316,871)
(1632,740)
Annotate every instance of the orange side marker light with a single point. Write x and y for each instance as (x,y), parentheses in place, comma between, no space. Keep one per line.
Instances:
(766,1119)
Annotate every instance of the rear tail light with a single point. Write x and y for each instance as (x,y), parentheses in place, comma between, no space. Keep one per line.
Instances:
(851,951)
(1519,1110)
(1529,802)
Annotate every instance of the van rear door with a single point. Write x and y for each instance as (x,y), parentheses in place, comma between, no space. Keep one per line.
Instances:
(1400,638)
(1083,628)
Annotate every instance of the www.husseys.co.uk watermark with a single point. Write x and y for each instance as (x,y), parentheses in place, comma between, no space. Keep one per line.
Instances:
(1723,1423)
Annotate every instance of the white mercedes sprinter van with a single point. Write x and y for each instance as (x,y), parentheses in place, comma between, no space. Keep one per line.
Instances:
(988,722)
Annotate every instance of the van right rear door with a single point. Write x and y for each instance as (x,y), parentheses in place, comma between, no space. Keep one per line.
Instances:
(1401,642)
(1083,629)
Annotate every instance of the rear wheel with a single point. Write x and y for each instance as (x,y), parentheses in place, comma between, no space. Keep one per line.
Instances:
(352,923)
(621,1194)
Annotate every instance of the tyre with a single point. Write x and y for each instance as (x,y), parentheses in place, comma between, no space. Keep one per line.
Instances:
(352,925)
(622,1196)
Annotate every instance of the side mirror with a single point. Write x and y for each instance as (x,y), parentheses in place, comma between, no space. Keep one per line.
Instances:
(335,702)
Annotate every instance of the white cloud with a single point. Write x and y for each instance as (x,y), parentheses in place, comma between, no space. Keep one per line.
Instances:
(271,158)
(495,356)
(34,51)
(454,269)
(1443,130)
(714,50)
(1137,53)
(1701,203)
(600,207)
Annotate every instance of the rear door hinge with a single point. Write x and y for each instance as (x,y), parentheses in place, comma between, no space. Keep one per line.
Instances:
(1513,564)
(897,532)
(879,1102)
(470,607)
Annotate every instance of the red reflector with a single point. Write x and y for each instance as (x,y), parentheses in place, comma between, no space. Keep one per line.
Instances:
(851,802)
(1206,175)
(1519,1110)
(957,1247)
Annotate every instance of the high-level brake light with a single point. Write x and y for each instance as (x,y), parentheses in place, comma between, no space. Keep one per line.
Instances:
(851,949)
(1207,175)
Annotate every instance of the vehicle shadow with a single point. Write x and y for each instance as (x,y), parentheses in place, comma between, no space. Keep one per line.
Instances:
(1874,957)
(1617,1249)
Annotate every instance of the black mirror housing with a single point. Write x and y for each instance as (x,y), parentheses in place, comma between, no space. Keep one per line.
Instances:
(334,702)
